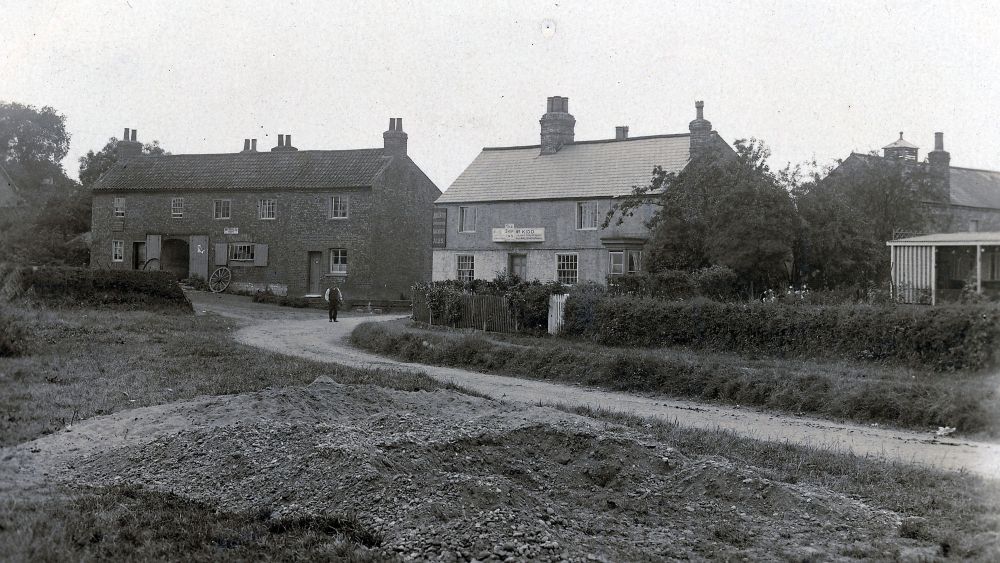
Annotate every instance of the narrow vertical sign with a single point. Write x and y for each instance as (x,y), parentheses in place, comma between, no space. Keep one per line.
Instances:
(439,229)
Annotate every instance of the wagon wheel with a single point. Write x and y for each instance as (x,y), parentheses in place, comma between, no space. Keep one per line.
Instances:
(219,280)
(153,264)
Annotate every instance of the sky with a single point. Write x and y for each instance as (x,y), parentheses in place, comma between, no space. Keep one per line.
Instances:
(814,80)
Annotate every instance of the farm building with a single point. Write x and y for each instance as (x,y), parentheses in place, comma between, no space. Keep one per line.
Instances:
(536,211)
(940,267)
(294,221)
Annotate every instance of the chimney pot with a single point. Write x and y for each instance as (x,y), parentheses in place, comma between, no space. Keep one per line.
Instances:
(288,140)
(126,135)
(134,133)
(699,107)
(281,140)
(246,145)
(939,141)
(621,132)
(253,145)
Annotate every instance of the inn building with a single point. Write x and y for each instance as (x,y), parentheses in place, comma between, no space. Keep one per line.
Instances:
(537,211)
(289,220)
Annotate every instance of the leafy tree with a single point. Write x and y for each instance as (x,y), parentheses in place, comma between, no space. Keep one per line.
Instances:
(721,209)
(94,164)
(33,143)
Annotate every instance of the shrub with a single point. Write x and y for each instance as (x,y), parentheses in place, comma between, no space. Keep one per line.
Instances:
(942,338)
(14,336)
(528,301)
(716,282)
(196,282)
(131,289)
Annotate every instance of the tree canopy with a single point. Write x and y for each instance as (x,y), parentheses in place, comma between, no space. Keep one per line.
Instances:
(94,164)
(33,143)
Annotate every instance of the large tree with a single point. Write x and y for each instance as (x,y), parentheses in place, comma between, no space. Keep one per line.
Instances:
(33,143)
(722,208)
(96,163)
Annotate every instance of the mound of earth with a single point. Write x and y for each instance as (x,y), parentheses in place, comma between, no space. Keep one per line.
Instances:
(446,476)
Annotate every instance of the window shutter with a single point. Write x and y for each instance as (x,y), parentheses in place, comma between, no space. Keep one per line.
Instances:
(221,254)
(260,255)
(152,247)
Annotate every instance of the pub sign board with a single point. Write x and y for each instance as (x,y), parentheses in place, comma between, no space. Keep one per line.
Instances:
(510,233)
(439,228)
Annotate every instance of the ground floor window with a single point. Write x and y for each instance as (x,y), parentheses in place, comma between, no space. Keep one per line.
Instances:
(466,267)
(567,270)
(338,260)
(117,251)
(241,252)
(634,261)
(616,266)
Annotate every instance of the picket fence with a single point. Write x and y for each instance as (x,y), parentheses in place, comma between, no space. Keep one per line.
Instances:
(484,312)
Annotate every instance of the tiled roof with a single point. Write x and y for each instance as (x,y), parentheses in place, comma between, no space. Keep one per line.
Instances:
(578,170)
(901,143)
(246,171)
(975,188)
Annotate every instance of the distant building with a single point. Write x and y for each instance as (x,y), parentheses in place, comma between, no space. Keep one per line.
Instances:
(968,198)
(291,220)
(537,210)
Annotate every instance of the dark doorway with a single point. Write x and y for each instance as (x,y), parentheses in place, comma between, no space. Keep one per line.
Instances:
(518,265)
(175,258)
(315,272)
(138,255)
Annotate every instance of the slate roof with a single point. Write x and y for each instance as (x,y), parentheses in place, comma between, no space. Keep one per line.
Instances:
(579,170)
(247,171)
(975,188)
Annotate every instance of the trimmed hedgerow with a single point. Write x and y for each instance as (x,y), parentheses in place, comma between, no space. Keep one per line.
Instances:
(13,335)
(716,282)
(941,338)
(82,287)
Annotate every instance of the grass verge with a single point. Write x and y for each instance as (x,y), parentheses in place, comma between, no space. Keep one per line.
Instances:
(958,511)
(899,396)
(88,362)
(129,523)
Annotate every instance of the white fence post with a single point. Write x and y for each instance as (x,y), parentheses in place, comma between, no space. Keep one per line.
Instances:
(557,311)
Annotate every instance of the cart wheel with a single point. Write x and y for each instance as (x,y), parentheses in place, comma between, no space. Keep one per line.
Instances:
(219,280)
(151,265)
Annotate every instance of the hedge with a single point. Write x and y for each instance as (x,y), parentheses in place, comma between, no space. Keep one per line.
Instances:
(941,338)
(129,289)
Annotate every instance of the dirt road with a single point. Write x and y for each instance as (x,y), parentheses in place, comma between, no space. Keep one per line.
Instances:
(308,334)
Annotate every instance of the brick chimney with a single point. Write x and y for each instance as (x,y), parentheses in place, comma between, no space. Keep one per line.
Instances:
(939,164)
(701,131)
(395,138)
(246,145)
(284,144)
(129,147)
(621,132)
(557,125)
(253,145)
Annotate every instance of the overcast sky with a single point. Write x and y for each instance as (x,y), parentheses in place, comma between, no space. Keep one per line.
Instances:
(813,79)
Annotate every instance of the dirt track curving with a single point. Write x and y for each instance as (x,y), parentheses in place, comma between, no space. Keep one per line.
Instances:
(308,334)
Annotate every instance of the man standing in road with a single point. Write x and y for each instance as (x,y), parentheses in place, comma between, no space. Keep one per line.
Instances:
(334,298)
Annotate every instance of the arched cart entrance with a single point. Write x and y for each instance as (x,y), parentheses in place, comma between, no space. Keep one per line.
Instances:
(175,257)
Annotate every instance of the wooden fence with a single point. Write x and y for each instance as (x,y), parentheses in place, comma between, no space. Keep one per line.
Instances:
(484,312)
(557,312)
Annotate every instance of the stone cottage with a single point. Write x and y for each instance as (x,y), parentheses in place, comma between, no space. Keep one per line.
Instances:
(537,211)
(294,221)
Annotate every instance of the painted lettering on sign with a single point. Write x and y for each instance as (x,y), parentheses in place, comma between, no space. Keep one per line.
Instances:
(231,231)
(439,228)
(510,233)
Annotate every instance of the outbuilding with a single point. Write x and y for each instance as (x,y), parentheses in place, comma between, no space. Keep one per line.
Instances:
(941,267)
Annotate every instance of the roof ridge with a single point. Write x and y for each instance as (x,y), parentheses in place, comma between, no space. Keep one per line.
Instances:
(976,169)
(594,141)
(263,152)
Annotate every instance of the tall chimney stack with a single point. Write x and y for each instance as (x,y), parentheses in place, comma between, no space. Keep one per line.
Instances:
(939,165)
(284,144)
(395,138)
(246,145)
(701,131)
(253,145)
(129,147)
(557,125)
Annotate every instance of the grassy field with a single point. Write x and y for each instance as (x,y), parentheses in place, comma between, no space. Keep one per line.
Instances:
(905,397)
(87,362)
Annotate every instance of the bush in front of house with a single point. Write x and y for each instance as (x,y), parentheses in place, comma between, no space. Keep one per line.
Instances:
(941,338)
(14,335)
(716,282)
(130,289)
(528,300)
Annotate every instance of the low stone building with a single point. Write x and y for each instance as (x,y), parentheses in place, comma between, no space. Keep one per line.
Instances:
(537,211)
(294,221)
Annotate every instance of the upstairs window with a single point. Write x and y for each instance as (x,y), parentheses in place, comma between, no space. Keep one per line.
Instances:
(119,207)
(222,208)
(466,267)
(466,219)
(339,207)
(586,215)
(241,252)
(338,260)
(566,268)
(177,208)
(267,208)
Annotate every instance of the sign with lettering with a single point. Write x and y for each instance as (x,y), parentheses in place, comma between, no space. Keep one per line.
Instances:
(231,231)
(510,233)
(439,228)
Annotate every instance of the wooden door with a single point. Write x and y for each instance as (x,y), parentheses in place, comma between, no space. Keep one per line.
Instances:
(198,256)
(315,272)
(138,255)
